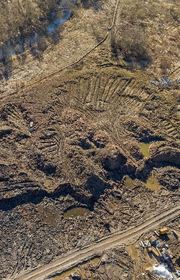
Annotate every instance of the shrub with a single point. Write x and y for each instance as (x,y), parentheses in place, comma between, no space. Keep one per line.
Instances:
(128,41)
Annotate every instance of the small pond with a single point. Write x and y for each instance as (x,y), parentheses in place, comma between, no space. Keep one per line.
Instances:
(128,182)
(152,183)
(144,147)
(76,212)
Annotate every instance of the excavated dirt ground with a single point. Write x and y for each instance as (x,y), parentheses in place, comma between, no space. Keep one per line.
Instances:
(128,262)
(99,138)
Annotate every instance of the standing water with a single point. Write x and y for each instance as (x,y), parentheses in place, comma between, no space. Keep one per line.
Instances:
(76,212)
(152,183)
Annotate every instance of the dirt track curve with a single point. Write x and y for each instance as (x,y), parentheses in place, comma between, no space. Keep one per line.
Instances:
(78,256)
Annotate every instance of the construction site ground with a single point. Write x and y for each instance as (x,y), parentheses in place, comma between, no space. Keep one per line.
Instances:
(89,141)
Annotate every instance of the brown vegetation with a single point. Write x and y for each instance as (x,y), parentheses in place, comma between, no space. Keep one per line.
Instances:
(72,126)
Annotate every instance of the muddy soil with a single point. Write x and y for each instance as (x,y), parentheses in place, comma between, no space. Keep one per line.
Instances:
(88,144)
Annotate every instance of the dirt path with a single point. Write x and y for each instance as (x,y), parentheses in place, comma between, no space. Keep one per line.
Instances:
(76,257)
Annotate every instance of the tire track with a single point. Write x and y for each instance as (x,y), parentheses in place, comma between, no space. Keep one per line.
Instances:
(78,256)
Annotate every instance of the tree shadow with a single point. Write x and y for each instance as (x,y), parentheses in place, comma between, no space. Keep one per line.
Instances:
(34,41)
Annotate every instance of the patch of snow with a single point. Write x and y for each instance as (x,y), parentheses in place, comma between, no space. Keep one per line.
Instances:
(163,272)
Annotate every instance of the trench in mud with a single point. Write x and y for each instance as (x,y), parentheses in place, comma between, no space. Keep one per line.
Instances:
(38,195)
(35,194)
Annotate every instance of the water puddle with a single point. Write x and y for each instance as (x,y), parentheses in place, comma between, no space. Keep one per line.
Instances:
(152,183)
(95,261)
(144,148)
(76,212)
(128,182)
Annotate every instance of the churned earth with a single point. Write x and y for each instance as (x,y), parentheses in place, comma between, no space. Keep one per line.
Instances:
(89,129)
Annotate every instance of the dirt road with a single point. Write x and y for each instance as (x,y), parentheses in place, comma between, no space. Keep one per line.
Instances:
(76,257)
